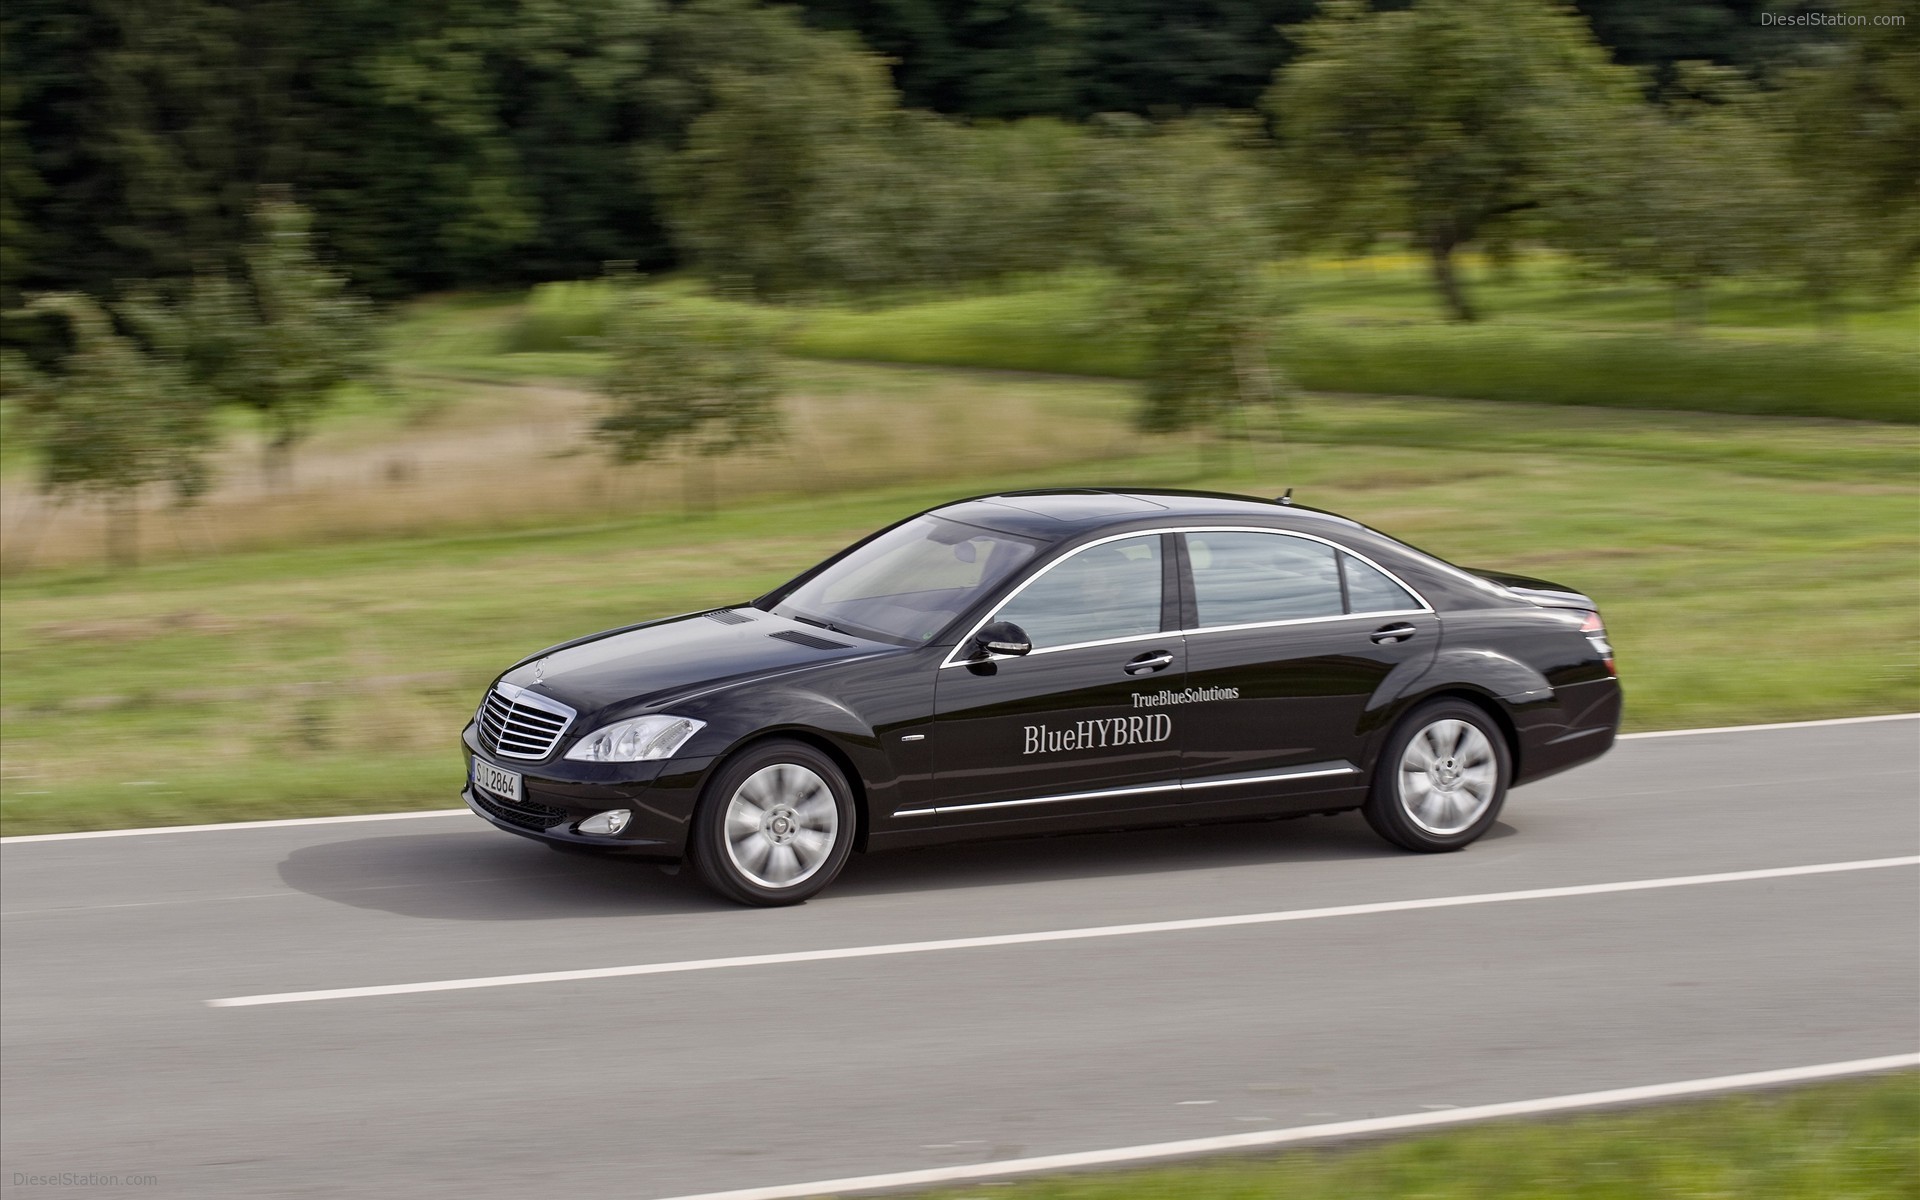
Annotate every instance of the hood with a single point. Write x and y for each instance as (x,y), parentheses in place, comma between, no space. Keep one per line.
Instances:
(1540,591)
(651,662)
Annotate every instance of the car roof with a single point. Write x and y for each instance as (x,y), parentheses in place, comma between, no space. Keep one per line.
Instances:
(1058,514)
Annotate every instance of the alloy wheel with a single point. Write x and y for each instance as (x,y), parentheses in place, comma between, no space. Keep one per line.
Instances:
(1448,777)
(782,825)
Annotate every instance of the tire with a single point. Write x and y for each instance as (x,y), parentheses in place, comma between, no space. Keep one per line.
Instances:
(1441,778)
(774,826)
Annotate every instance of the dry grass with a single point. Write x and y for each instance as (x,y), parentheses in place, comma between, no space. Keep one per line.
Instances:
(498,456)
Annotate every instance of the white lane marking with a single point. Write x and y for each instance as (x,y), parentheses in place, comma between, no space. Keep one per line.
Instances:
(455,812)
(1666,733)
(1304,1133)
(153,829)
(1057,935)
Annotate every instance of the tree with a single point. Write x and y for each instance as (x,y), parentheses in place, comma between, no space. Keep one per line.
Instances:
(1659,35)
(1076,58)
(19,185)
(1440,121)
(112,422)
(1000,58)
(738,194)
(699,382)
(1854,126)
(1189,239)
(281,342)
(1682,192)
(1183,57)
(928,201)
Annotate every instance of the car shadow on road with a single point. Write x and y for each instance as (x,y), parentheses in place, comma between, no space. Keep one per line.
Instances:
(1135,852)
(476,875)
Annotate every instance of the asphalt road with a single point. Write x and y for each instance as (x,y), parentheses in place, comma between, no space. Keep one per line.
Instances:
(113,1064)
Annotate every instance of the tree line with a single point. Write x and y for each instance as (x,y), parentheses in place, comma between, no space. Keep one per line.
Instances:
(488,142)
(1489,123)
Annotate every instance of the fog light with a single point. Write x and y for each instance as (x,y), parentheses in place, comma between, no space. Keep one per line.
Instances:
(607,823)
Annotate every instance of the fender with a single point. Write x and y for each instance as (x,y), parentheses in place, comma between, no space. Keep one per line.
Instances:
(747,713)
(1525,700)
(1506,679)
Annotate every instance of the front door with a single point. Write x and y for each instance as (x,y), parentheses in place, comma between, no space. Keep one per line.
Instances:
(1291,639)
(1062,731)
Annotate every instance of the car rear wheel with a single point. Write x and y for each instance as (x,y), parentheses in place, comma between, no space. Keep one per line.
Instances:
(1440,779)
(775,825)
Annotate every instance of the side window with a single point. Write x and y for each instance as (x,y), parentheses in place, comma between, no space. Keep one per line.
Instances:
(1369,590)
(1246,578)
(1105,591)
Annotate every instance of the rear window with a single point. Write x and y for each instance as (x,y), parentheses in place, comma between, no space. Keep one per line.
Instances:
(1369,589)
(1249,578)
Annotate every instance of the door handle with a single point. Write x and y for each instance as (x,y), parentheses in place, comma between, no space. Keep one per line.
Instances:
(1148,663)
(1399,631)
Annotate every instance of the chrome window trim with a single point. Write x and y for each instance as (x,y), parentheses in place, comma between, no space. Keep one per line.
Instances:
(952,661)
(1309,771)
(1390,612)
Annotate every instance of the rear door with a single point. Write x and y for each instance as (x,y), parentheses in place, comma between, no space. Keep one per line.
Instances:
(1059,732)
(1290,639)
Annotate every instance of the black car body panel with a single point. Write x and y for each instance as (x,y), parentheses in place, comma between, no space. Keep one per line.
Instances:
(1183,717)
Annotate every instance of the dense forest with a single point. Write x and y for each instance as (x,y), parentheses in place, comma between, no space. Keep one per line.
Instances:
(493,142)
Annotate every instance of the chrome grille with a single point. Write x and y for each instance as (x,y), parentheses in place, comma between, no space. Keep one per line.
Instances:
(517,723)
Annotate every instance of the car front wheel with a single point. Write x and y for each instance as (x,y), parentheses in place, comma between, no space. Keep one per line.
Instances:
(1441,778)
(775,825)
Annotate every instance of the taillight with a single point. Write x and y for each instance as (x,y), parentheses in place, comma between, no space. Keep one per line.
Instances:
(1597,635)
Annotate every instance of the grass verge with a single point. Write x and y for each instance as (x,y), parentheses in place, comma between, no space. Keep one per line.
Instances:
(1858,1140)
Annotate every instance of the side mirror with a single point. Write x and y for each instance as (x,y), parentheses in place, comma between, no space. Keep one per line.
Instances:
(1003,637)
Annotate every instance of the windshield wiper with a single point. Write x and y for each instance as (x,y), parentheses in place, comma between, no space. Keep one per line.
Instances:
(826,625)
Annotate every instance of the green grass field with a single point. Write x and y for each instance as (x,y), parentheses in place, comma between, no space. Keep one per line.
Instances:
(1858,1140)
(1551,336)
(1750,569)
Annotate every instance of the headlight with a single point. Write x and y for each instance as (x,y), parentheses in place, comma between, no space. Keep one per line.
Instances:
(641,739)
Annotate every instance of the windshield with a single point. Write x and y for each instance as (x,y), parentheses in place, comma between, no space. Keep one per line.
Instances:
(910,582)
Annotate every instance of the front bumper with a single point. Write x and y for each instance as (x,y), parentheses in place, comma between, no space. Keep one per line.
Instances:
(557,795)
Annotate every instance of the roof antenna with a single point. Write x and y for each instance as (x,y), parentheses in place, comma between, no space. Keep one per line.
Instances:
(1285,497)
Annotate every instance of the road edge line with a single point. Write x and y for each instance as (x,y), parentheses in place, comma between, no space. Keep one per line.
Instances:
(148,830)
(1227,1143)
(1667,733)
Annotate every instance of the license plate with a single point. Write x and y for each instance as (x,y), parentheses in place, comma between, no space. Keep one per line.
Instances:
(493,779)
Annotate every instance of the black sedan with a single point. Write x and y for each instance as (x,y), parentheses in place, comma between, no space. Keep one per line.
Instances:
(1047,662)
